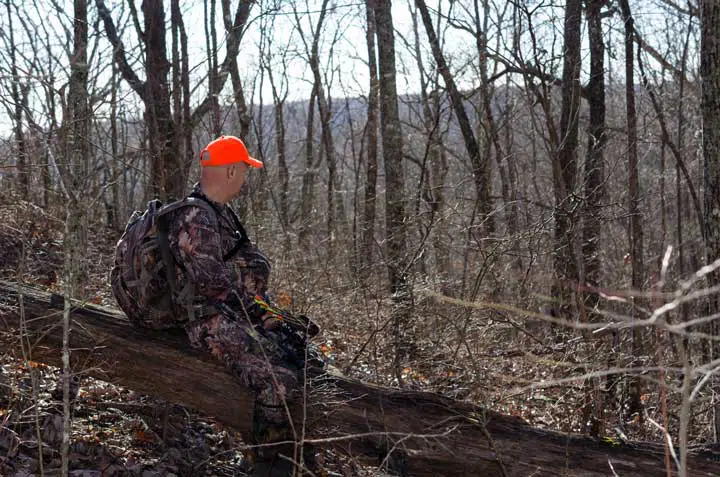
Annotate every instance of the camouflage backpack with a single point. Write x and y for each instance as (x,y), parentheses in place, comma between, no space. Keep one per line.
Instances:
(143,276)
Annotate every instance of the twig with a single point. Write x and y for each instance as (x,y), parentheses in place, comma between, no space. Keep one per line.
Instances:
(668,439)
(498,457)
(612,469)
(26,352)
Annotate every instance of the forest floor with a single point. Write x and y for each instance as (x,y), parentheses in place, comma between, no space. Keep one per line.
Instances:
(115,431)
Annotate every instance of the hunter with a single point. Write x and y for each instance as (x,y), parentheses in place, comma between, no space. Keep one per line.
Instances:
(216,267)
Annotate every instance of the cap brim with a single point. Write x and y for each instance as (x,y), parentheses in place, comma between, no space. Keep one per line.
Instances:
(252,162)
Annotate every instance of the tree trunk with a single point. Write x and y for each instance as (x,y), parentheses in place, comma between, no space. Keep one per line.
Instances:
(433,177)
(179,48)
(238,94)
(439,168)
(244,117)
(75,170)
(440,436)
(710,73)
(395,216)
(117,210)
(565,168)
(371,166)
(76,221)
(186,129)
(211,47)
(307,199)
(257,192)
(158,118)
(594,195)
(635,230)
(594,160)
(283,171)
(21,165)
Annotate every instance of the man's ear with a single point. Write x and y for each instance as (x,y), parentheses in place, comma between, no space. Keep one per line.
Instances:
(231,172)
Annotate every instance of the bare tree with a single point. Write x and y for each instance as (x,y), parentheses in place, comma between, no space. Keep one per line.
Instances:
(594,184)
(238,93)
(635,228)
(336,214)
(46,125)
(307,196)
(503,158)
(710,73)
(75,166)
(594,159)
(479,162)
(75,176)
(158,118)
(367,227)
(280,90)
(19,96)
(181,82)
(212,51)
(392,145)
(434,167)
(114,209)
(565,165)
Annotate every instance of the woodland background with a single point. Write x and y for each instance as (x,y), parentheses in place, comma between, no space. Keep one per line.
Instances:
(515,203)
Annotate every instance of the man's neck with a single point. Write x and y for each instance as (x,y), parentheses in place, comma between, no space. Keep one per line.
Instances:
(214,194)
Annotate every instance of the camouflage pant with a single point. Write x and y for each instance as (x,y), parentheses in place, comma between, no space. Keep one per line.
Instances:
(254,360)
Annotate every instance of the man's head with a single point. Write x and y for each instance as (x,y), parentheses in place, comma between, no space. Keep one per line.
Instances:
(224,164)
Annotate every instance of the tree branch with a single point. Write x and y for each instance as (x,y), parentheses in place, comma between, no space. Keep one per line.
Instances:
(528,70)
(658,57)
(119,51)
(233,47)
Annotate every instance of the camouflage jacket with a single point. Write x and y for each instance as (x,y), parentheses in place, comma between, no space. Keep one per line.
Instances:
(199,240)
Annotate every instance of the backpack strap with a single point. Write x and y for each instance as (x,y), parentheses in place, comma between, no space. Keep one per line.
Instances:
(198,200)
(164,246)
(241,237)
(156,210)
(163,242)
(163,230)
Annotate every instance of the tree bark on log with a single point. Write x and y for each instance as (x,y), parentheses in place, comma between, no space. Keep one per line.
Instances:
(439,436)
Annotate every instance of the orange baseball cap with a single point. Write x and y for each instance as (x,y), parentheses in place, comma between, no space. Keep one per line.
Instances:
(227,150)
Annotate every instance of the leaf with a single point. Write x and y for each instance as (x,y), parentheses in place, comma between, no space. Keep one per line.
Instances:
(284,299)
(142,436)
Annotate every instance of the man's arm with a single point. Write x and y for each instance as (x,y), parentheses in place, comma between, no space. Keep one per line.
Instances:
(199,250)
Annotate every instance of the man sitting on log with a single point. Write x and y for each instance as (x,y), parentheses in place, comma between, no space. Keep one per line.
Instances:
(190,263)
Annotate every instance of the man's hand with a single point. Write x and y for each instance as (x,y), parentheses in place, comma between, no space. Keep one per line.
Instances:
(271,321)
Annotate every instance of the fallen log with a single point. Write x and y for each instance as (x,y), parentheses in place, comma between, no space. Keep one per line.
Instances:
(439,436)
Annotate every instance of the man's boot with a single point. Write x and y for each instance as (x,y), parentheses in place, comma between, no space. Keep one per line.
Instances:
(268,428)
(311,461)
(275,461)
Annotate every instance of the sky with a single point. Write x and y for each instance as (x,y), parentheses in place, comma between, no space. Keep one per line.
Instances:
(346,66)
(345,20)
